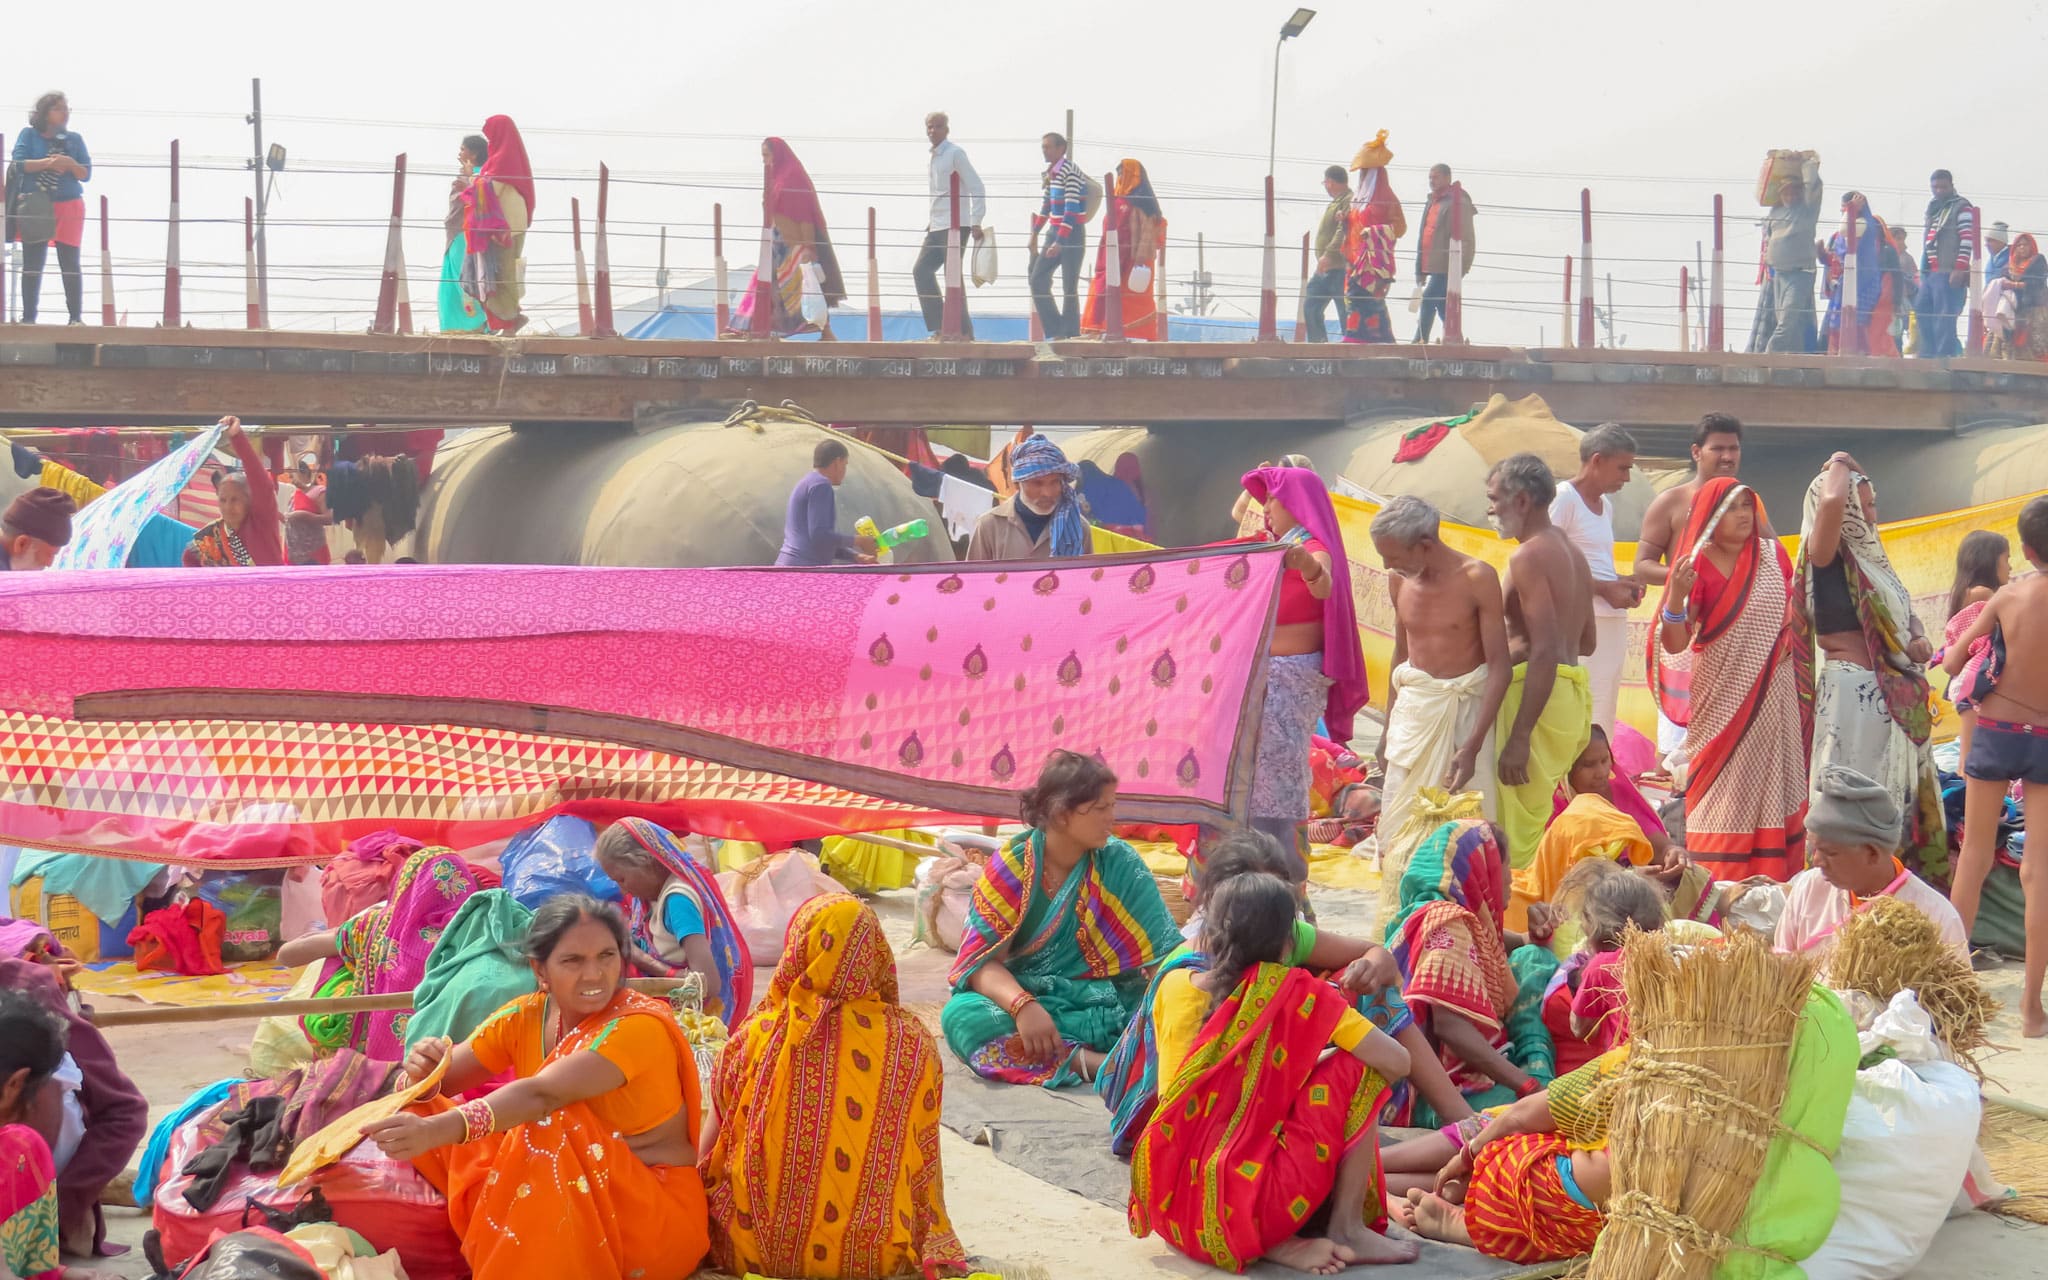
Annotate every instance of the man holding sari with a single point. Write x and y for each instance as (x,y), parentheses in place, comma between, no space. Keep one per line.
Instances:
(822,1161)
(1871,712)
(1059,934)
(1745,700)
(1476,989)
(497,208)
(586,1163)
(797,236)
(250,530)
(1139,228)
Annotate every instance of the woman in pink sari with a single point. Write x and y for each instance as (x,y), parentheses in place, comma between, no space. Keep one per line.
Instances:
(796,237)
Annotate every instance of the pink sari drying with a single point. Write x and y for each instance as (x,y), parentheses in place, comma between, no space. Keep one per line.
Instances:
(936,686)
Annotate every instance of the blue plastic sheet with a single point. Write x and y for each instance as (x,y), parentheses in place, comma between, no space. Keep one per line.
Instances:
(554,858)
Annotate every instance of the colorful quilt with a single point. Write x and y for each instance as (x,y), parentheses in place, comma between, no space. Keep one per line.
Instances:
(106,529)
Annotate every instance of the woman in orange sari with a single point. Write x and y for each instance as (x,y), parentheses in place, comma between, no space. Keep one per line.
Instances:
(796,236)
(823,1155)
(586,1163)
(1875,295)
(1140,229)
(1747,706)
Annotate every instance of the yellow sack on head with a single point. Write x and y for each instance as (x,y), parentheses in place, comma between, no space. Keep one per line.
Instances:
(1374,154)
(1433,807)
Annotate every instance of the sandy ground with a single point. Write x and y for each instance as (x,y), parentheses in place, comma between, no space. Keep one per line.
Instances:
(1044,1231)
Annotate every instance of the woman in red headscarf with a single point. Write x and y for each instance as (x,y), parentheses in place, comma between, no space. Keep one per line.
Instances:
(1139,229)
(1377,222)
(795,226)
(497,207)
(1747,702)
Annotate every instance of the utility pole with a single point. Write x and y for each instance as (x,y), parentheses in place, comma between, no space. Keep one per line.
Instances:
(257,166)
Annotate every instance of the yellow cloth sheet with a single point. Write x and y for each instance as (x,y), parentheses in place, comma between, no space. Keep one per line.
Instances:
(864,866)
(1561,733)
(1589,827)
(241,982)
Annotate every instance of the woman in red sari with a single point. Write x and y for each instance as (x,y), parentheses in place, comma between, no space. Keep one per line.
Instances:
(1140,229)
(497,209)
(1747,705)
(1257,1127)
(796,235)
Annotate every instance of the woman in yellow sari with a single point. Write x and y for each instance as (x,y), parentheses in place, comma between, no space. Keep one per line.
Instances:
(586,1163)
(1140,228)
(822,1158)
(1591,825)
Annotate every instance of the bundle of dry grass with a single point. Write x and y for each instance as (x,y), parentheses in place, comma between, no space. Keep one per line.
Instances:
(1891,946)
(1696,1108)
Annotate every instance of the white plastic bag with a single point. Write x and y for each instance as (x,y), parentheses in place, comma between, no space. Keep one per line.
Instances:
(765,893)
(984,264)
(814,308)
(945,887)
(1906,1145)
(1140,278)
(301,912)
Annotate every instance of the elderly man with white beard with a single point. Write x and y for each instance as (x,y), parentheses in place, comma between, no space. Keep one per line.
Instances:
(1042,520)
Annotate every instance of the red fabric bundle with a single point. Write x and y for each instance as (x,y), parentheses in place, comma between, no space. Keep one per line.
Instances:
(181,939)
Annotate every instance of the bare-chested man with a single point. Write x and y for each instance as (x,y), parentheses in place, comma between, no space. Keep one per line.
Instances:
(1547,716)
(2010,745)
(1450,672)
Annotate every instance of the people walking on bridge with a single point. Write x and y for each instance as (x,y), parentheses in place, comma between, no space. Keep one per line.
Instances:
(1139,227)
(497,209)
(1997,249)
(798,239)
(948,159)
(1784,308)
(1059,240)
(1332,229)
(1946,248)
(46,203)
(1441,223)
(1377,222)
(1877,281)
(458,304)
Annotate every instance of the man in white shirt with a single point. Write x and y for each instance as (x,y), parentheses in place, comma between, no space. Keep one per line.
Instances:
(947,160)
(1584,509)
(1854,828)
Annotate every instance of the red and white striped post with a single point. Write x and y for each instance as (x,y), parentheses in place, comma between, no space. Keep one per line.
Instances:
(255,316)
(1564,331)
(1112,269)
(761,294)
(953,314)
(106,270)
(1454,284)
(1980,320)
(1849,341)
(1037,332)
(1586,267)
(174,313)
(386,318)
(1301,296)
(1159,291)
(605,327)
(661,273)
(404,297)
(721,305)
(585,320)
(1684,309)
(1717,333)
(874,281)
(1269,292)
(6,311)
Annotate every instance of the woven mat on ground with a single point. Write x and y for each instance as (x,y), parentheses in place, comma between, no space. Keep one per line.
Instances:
(2015,1143)
(241,982)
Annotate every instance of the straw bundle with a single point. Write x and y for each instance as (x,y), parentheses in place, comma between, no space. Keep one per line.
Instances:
(1177,904)
(1891,946)
(1697,1106)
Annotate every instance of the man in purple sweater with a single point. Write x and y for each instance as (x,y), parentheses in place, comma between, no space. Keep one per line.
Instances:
(808,536)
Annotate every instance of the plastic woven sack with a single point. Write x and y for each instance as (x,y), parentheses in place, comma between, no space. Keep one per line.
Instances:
(554,858)
(253,902)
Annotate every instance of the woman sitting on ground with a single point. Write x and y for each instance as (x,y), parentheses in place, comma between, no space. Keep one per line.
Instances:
(1130,1080)
(1250,1088)
(830,1062)
(1062,928)
(383,949)
(679,918)
(586,1163)
(1593,823)
(31,1115)
(1475,988)
(1582,1007)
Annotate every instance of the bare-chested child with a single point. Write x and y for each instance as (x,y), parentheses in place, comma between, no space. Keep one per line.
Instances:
(1716,451)
(1547,716)
(2011,744)
(1450,670)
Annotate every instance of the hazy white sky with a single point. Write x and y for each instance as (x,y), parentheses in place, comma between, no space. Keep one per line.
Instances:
(1655,107)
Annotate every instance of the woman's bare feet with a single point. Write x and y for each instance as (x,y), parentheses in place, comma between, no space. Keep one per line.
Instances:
(1436,1218)
(1360,1245)
(2033,1022)
(1313,1255)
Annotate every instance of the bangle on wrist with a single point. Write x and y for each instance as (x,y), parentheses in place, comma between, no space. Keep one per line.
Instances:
(1529,1086)
(1017,1006)
(478,1120)
(1675,619)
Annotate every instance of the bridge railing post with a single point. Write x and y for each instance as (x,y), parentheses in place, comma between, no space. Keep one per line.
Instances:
(174,314)
(1112,267)
(1980,320)
(106,270)
(1586,267)
(1717,334)
(1454,283)
(604,327)
(953,312)
(586,320)
(721,306)
(1269,293)
(874,280)
(1849,339)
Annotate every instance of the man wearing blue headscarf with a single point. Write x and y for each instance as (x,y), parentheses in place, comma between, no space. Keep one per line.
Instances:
(1042,519)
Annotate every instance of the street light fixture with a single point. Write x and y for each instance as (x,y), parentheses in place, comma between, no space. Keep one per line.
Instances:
(1293,27)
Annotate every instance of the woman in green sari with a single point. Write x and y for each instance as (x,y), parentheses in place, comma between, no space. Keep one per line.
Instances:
(1063,929)
(1476,989)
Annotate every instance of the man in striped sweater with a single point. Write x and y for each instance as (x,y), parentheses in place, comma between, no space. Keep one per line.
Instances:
(1945,254)
(1059,240)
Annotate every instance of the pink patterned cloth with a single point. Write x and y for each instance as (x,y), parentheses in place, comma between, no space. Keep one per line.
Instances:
(937,685)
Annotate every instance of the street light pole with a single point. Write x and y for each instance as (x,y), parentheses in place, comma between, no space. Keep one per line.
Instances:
(1293,27)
